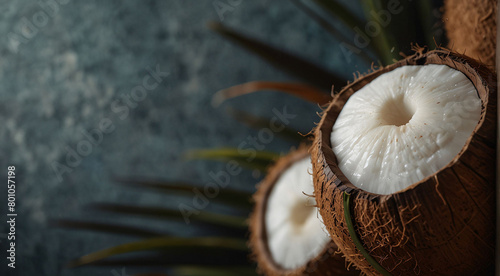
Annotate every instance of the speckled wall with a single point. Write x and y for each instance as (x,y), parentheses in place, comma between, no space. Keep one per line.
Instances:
(73,74)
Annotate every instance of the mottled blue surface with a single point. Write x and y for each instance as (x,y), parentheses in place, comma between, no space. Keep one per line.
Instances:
(64,79)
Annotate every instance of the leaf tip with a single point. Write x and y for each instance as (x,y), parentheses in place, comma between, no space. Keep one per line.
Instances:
(214,25)
(218,98)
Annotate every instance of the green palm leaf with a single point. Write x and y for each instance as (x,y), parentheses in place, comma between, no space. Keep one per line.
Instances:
(151,274)
(338,11)
(106,228)
(329,28)
(260,160)
(172,214)
(260,123)
(227,195)
(385,42)
(425,17)
(206,257)
(287,62)
(222,271)
(166,244)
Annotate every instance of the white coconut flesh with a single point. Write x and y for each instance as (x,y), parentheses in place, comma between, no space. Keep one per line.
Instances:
(294,232)
(404,126)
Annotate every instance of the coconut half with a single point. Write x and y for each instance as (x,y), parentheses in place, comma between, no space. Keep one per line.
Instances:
(407,155)
(287,237)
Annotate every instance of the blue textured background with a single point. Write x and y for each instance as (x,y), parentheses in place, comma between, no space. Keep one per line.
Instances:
(64,79)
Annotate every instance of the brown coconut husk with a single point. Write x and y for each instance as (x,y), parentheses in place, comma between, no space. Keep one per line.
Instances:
(328,262)
(442,225)
(471,27)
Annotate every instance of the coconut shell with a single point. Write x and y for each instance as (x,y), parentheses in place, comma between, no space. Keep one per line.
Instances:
(442,225)
(471,27)
(328,262)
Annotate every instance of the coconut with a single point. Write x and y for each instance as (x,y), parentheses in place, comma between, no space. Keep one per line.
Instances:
(471,28)
(387,194)
(286,234)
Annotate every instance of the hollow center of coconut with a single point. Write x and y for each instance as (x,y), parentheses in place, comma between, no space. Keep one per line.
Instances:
(298,214)
(396,112)
(404,126)
(294,231)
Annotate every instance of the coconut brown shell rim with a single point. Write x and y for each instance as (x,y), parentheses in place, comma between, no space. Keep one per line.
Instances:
(441,57)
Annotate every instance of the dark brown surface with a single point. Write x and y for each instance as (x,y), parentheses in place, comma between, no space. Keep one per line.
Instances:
(442,225)
(328,262)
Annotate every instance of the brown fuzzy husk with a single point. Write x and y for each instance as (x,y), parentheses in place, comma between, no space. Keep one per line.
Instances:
(328,262)
(442,225)
(471,27)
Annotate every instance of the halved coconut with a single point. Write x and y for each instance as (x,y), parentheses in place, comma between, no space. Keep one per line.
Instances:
(404,167)
(287,237)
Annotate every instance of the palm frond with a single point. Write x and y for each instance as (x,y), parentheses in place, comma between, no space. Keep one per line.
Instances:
(426,20)
(166,244)
(338,11)
(385,43)
(104,227)
(260,123)
(151,274)
(331,29)
(227,195)
(181,257)
(303,91)
(221,271)
(202,257)
(283,60)
(171,214)
(250,158)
